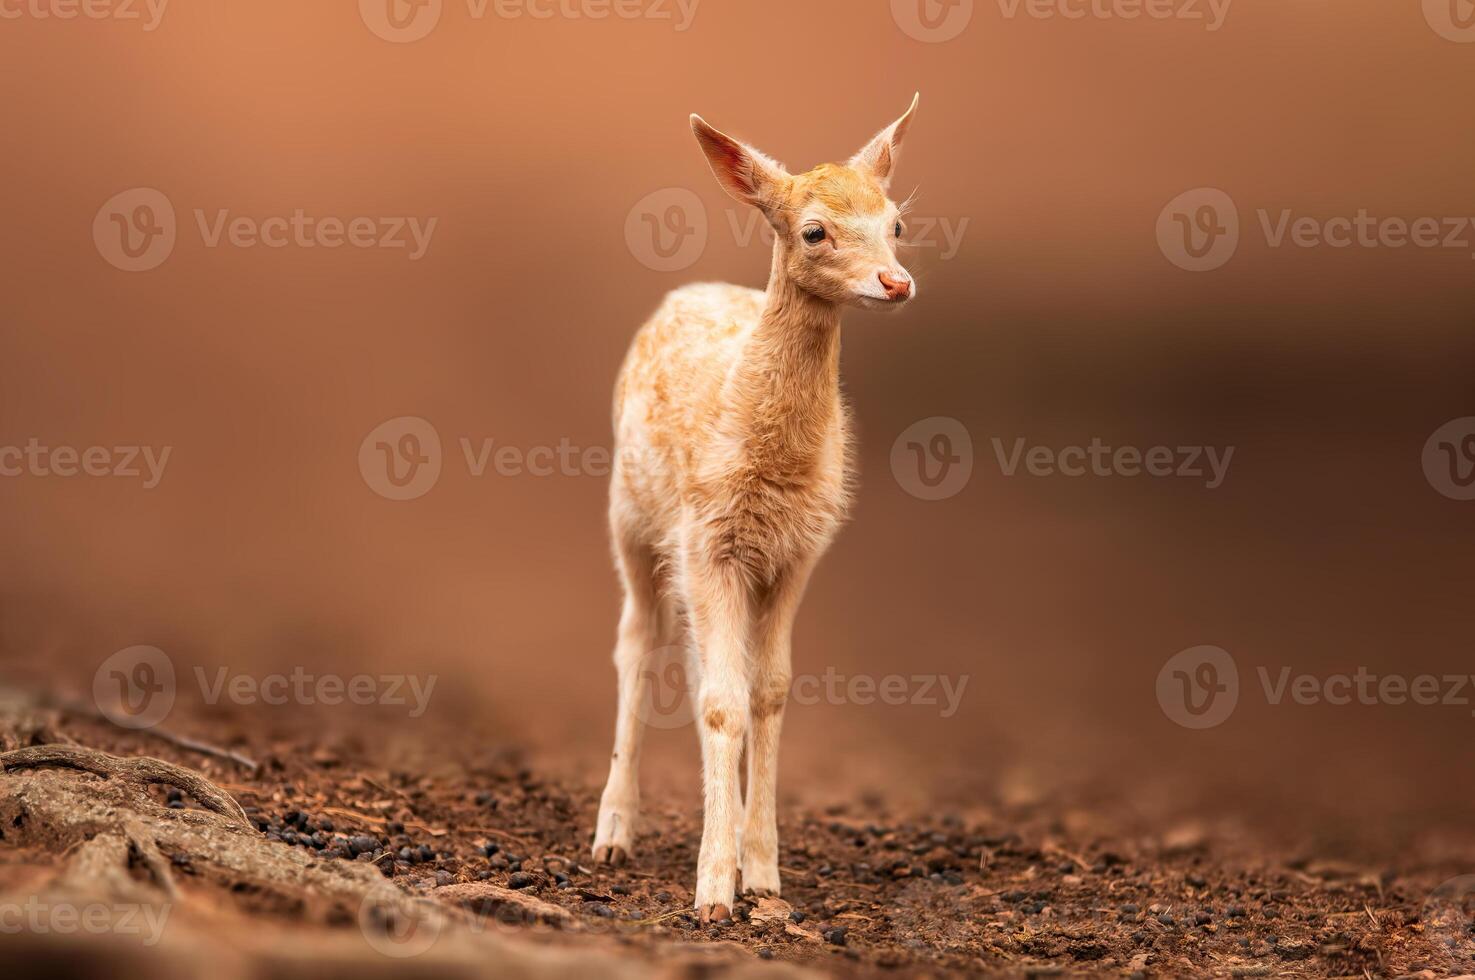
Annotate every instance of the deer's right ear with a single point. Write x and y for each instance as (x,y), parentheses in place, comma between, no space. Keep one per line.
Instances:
(749,176)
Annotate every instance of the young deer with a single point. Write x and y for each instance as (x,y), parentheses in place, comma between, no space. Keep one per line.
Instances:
(732,476)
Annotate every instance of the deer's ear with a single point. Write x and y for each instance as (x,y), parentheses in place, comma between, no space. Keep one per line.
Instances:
(879,157)
(743,172)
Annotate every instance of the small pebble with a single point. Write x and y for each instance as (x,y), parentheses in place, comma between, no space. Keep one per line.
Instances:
(835,936)
(520,879)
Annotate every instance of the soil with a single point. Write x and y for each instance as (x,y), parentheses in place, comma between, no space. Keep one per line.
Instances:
(1048,887)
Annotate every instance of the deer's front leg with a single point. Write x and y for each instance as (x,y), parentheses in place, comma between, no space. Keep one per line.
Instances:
(772,672)
(718,599)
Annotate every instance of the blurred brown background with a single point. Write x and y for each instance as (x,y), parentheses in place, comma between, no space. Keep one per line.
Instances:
(1058,320)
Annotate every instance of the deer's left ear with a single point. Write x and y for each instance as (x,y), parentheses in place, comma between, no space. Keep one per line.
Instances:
(879,157)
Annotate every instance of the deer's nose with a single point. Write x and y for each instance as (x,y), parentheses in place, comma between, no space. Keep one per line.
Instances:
(897,286)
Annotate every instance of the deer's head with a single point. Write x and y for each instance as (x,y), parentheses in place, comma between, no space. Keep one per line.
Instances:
(837,228)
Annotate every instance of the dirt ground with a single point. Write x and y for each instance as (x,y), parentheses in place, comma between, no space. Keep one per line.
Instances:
(1037,888)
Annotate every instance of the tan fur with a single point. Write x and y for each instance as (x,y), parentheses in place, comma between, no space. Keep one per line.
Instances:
(731,478)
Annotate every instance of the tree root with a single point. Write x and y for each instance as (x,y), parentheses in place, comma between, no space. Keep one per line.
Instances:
(142,771)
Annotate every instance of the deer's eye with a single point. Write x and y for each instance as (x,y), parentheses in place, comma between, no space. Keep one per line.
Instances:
(814,235)
(898,229)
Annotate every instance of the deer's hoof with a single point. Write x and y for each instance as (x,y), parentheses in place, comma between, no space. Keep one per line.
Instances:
(714,914)
(611,854)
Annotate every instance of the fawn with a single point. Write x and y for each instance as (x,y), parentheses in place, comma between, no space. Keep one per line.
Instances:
(731,478)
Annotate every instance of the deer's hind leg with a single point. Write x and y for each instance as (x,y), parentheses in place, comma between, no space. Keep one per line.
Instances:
(647,624)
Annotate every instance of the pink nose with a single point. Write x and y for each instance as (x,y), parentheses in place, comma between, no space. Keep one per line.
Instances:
(896,288)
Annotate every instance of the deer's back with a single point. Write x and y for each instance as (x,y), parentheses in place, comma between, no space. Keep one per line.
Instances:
(669,392)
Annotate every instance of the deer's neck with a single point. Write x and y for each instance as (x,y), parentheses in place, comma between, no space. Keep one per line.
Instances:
(787,381)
